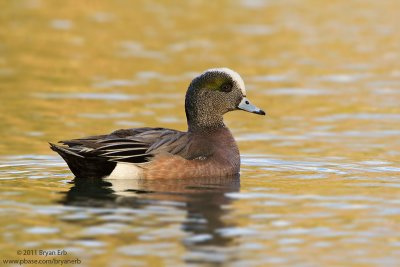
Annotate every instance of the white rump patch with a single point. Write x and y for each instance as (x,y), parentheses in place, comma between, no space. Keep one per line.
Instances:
(235,76)
(125,171)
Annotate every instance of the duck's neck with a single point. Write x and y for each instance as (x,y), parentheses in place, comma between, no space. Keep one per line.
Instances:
(200,120)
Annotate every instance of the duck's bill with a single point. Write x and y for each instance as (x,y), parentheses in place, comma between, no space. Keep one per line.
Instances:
(246,105)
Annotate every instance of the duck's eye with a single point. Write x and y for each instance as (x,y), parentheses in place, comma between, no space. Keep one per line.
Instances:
(226,87)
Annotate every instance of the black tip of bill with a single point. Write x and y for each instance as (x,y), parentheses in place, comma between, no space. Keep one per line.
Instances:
(259,112)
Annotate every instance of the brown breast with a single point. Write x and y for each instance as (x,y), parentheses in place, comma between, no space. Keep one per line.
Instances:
(221,158)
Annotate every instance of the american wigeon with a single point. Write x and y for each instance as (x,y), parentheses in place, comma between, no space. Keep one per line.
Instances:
(207,149)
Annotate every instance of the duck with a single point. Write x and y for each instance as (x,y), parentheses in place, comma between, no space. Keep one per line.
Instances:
(206,149)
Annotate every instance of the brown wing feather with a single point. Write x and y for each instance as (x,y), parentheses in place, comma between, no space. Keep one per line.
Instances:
(137,145)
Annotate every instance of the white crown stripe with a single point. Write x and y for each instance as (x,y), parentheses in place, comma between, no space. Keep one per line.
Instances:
(235,76)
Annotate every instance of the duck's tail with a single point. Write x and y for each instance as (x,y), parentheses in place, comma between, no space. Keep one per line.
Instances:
(83,166)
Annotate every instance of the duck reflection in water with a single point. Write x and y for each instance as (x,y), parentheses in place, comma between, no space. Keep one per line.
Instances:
(202,200)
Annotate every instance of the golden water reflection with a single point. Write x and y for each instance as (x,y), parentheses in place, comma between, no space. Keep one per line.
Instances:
(319,181)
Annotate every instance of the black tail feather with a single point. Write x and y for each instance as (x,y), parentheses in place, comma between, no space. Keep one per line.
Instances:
(84,167)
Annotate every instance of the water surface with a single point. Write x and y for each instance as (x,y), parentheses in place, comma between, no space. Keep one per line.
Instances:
(319,184)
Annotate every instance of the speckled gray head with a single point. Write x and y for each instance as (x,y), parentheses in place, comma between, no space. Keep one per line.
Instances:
(214,93)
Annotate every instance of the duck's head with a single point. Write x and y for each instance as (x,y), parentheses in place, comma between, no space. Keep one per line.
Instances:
(214,93)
